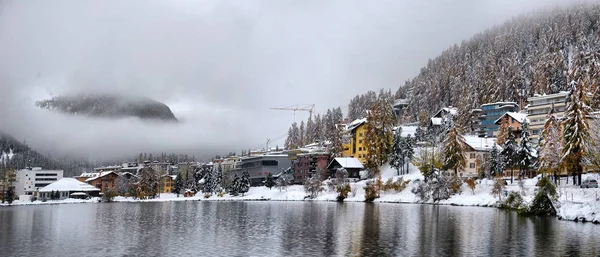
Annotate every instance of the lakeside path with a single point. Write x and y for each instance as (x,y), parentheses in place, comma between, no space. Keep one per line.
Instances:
(576,204)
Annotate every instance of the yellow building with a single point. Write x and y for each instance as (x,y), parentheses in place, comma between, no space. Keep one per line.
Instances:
(167,182)
(354,140)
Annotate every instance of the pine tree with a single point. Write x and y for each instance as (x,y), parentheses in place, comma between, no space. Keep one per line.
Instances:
(212,180)
(408,151)
(9,195)
(454,151)
(503,131)
(149,184)
(178,185)
(269,181)
(495,162)
(550,145)
(244,185)
(336,147)
(379,132)
(309,136)
(509,154)
(301,135)
(235,185)
(288,140)
(396,158)
(576,131)
(525,151)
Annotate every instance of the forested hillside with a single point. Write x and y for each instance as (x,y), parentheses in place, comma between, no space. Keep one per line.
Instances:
(18,155)
(535,53)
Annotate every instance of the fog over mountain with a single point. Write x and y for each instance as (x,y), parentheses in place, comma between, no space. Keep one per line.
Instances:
(218,65)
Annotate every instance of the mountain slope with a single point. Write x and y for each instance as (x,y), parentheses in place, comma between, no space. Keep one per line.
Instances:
(535,53)
(18,155)
(109,106)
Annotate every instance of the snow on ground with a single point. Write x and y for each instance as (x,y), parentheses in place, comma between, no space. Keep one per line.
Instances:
(575,203)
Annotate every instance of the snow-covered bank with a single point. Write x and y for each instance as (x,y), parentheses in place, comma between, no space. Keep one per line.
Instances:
(575,203)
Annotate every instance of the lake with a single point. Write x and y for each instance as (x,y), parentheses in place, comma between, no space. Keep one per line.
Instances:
(285,229)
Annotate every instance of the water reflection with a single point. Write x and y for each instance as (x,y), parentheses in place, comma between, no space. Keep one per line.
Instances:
(286,229)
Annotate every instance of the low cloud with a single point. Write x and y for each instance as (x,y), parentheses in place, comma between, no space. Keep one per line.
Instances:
(219,65)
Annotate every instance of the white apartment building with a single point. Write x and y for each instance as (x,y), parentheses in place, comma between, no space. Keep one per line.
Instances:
(538,108)
(29,181)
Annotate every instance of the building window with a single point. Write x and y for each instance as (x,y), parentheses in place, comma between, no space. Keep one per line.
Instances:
(360,149)
(472,165)
(472,156)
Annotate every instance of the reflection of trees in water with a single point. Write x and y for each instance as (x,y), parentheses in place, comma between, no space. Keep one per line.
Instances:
(371,245)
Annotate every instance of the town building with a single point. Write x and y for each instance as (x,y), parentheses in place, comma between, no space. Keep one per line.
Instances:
(353,140)
(67,188)
(514,120)
(489,114)
(29,181)
(167,182)
(259,166)
(476,152)
(352,165)
(308,164)
(538,107)
(399,107)
(443,117)
(102,180)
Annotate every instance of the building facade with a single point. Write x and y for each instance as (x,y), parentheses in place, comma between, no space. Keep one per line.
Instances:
(167,182)
(103,180)
(309,164)
(353,143)
(260,166)
(477,151)
(514,120)
(538,108)
(29,181)
(490,113)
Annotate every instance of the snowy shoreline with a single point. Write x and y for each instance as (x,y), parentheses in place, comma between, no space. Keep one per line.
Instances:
(571,211)
(575,204)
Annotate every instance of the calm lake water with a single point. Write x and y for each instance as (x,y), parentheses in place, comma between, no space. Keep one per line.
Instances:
(285,229)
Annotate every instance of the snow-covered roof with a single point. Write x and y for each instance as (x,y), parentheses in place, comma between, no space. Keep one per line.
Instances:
(355,123)
(400,101)
(69,184)
(407,130)
(519,117)
(96,175)
(436,121)
(349,162)
(481,143)
(500,103)
(451,110)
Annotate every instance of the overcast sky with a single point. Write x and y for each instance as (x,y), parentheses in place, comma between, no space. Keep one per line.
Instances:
(220,65)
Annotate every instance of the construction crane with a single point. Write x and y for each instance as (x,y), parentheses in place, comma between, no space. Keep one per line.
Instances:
(299,107)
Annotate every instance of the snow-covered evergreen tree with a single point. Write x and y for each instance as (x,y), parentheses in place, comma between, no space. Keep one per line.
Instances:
(550,145)
(454,151)
(496,166)
(408,151)
(235,185)
(244,185)
(379,132)
(525,153)
(396,158)
(301,135)
(148,186)
(576,131)
(509,154)
(269,181)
